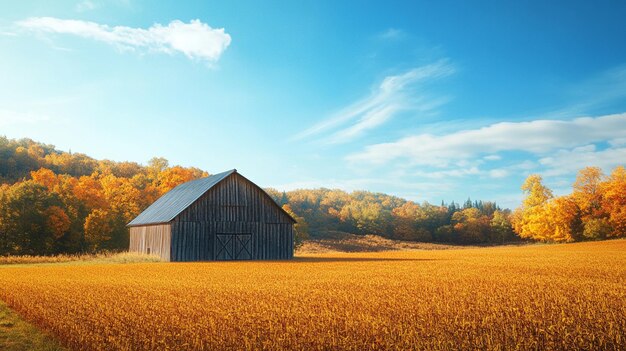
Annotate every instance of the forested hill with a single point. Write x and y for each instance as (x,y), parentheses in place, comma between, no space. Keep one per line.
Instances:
(59,202)
(18,158)
(53,201)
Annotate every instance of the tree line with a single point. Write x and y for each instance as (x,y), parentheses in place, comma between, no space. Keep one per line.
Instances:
(61,202)
(363,212)
(596,208)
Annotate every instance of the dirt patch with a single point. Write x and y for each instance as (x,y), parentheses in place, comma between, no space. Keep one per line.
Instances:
(345,242)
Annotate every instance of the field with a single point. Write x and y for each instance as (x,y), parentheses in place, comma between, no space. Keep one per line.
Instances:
(570,296)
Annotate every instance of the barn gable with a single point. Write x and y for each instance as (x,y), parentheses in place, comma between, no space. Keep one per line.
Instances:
(235,198)
(177,200)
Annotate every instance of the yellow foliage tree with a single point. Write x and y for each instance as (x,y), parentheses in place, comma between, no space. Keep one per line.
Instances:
(614,202)
(588,192)
(529,220)
(559,214)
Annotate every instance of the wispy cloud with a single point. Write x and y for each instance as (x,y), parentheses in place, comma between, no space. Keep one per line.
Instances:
(597,92)
(565,162)
(362,183)
(537,137)
(498,173)
(195,39)
(370,119)
(86,5)
(391,34)
(13,118)
(394,94)
(492,157)
(454,173)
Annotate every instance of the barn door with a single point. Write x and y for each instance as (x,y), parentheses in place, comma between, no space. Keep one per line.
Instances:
(233,247)
(243,247)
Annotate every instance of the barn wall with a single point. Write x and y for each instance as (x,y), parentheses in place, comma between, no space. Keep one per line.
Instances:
(196,241)
(157,238)
(233,207)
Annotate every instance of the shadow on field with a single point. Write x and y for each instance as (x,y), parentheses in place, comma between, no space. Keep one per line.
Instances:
(358,259)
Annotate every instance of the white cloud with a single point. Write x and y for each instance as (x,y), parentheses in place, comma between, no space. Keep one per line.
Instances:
(13,118)
(565,162)
(537,137)
(391,34)
(492,157)
(460,172)
(86,5)
(455,173)
(362,183)
(195,39)
(600,90)
(618,142)
(369,120)
(498,173)
(524,166)
(394,94)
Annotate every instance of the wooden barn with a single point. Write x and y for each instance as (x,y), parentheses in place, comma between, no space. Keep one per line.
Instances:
(221,217)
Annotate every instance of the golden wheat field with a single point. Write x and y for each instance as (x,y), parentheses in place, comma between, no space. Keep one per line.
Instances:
(569,296)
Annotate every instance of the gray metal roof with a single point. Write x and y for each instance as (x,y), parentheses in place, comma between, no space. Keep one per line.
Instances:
(170,205)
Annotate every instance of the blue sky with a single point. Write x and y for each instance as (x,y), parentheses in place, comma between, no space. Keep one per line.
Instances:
(425,100)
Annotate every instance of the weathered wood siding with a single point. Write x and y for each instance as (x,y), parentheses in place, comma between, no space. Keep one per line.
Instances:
(233,207)
(153,239)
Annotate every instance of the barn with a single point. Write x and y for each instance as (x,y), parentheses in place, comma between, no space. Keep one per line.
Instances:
(221,217)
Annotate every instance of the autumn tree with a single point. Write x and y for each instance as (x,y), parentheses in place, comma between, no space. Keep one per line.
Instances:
(405,221)
(99,226)
(471,226)
(57,221)
(588,192)
(169,178)
(30,219)
(560,215)
(597,228)
(410,222)
(614,202)
(501,229)
(529,220)
(589,196)
(301,228)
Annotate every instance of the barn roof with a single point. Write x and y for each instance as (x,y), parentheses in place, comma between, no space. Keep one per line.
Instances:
(175,201)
